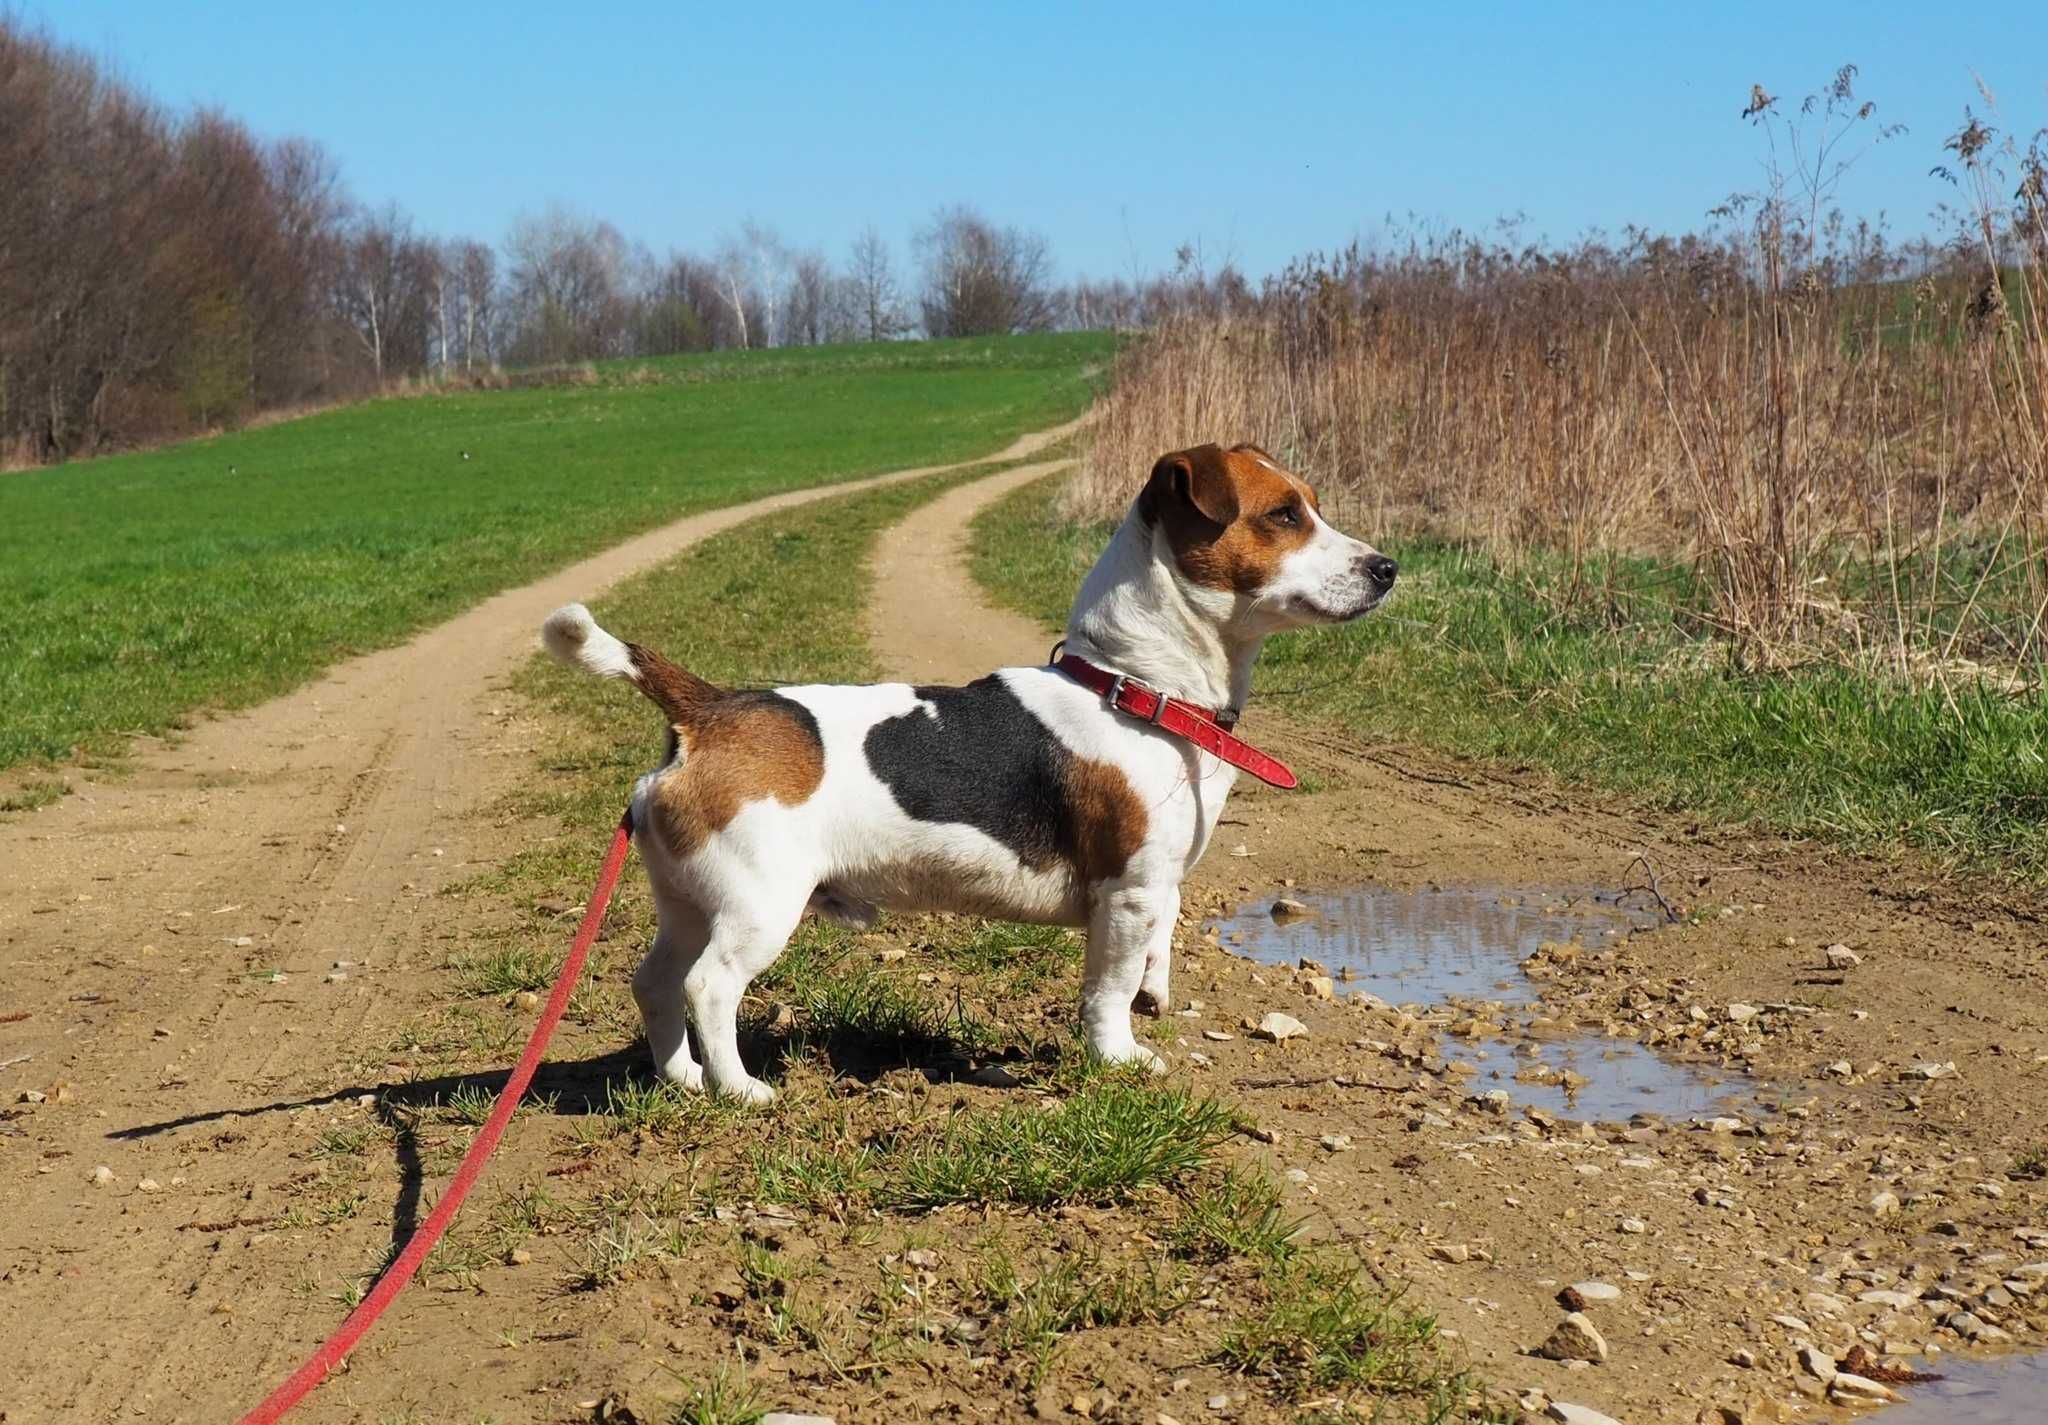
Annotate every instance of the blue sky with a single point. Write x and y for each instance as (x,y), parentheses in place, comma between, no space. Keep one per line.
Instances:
(1118,131)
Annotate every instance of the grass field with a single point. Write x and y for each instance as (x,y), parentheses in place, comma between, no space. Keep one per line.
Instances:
(1467,658)
(135,589)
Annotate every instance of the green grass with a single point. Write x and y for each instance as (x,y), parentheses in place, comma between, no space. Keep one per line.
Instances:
(136,588)
(1617,696)
(1101,1145)
(1327,1328)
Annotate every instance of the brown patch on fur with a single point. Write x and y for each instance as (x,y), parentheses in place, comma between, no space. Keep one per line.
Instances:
(1221,513)
(736,748)
(1109,821)
(673,688)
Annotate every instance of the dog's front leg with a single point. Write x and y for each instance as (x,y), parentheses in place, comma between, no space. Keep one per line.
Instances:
(1126,927)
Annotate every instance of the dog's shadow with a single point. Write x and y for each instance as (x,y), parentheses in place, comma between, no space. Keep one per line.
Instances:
(569,1088)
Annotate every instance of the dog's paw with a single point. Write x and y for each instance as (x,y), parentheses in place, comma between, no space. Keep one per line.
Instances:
(747,1090)
(684,1074)
(1130,1053)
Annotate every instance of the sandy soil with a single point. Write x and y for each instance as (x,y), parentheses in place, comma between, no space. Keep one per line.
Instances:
(141,915)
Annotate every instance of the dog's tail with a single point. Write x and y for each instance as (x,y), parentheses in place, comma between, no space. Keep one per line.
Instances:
(573,636)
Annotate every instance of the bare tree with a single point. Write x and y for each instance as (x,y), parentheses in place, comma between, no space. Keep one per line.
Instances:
(807,300)
(569,284)
(876,300)
(980,279)
(476,271)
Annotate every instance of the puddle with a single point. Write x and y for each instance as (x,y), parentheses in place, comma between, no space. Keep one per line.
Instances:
(1432,947)
(2008,1391)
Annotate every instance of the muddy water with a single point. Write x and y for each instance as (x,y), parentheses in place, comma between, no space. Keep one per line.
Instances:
(2011,1391)
(1440,946)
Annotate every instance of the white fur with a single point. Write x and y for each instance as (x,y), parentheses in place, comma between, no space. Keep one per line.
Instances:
(726,909)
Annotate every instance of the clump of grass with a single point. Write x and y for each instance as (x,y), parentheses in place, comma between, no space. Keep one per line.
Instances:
(1019,957)
(347,1140)
(507,970)
(1324,1327)
(728,1398)
(816,1175)
(33,793)
(1076,1293)
(1107,1141)
(661,1109)
(1238,1213)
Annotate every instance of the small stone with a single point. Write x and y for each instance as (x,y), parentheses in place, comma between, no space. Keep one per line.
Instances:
(518,1257)
(1287,908)
(1319,986)
(892,954)
(1596,1291)
(1745,1358)
(1218,1403)
(1336,1142)
(1297,1176)
(994,1076)
(785,1417)
(1930,1070)
(1634,1226)
(1742,1013)
(526,1002)
(1992,1190)
(1568,1414)
(1855,1389)
(921,1257)
(1278,1027)
(1818,1363)
(149,1185)
(1793,1324)
(1217,1035)
(1840,957)
(1455,1253)
(1897,1300)
(1574,1339)
(100,1176)
(1492,1101)
(32,1096)
(1884,1204)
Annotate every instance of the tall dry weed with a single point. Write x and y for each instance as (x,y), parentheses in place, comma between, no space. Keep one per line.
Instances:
(1847,440)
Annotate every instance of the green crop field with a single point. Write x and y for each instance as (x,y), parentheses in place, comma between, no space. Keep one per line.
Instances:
(137,588)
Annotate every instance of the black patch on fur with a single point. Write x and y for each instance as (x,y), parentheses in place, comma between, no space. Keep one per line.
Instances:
(986,762)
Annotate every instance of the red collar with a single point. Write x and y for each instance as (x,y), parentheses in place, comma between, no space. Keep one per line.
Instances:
(1207,730)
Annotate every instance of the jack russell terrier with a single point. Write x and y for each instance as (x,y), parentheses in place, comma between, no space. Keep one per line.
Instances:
(1079,793)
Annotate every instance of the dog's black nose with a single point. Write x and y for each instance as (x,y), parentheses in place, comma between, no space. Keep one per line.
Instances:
(1381,570)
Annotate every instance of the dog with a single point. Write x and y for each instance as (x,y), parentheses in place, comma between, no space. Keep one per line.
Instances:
(1080,793)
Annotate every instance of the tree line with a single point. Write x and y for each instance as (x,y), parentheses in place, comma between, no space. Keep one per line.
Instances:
(166,273)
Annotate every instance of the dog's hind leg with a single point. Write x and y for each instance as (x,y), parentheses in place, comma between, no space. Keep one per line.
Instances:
(658,987)
(747,932)
(1124,925)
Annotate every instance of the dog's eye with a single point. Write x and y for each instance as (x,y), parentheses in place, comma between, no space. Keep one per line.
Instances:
(1284,514)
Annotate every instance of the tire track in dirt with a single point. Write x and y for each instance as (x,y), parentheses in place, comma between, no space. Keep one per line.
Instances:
(138,920)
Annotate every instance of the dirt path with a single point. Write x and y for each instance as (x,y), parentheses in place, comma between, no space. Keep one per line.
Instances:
(1843,1199)
(927,620)
(140,920)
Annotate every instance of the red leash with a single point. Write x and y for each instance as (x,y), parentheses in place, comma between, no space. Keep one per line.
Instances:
(1206,729)
(336,1347)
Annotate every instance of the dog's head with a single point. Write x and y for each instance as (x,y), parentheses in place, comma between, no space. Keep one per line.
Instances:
(1248,539)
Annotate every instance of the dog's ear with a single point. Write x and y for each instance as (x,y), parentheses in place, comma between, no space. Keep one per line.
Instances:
(1195,480)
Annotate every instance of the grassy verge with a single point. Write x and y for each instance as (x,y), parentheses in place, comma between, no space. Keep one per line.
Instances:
(894,1230)
(1474,661)
(136,588)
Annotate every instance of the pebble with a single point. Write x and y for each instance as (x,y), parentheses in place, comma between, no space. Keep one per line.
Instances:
(1634,1226)
(1884,1204)
(1287,908)
(1452,1252)
(1930,1070)
(785,1417)
(526,1002)
(1855,1389)
(1336,1142)
(1574,1339)
(1818,1363)
(1596,1291)
(1320,986)
(1218,1035)
(1742,1013)
(994,1076)
(1841,957)
(101,1176)
(1896,1299)
(149,1185)
(1278,1027)
(1218,1402)
(1569,1414)
(1744,1358)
